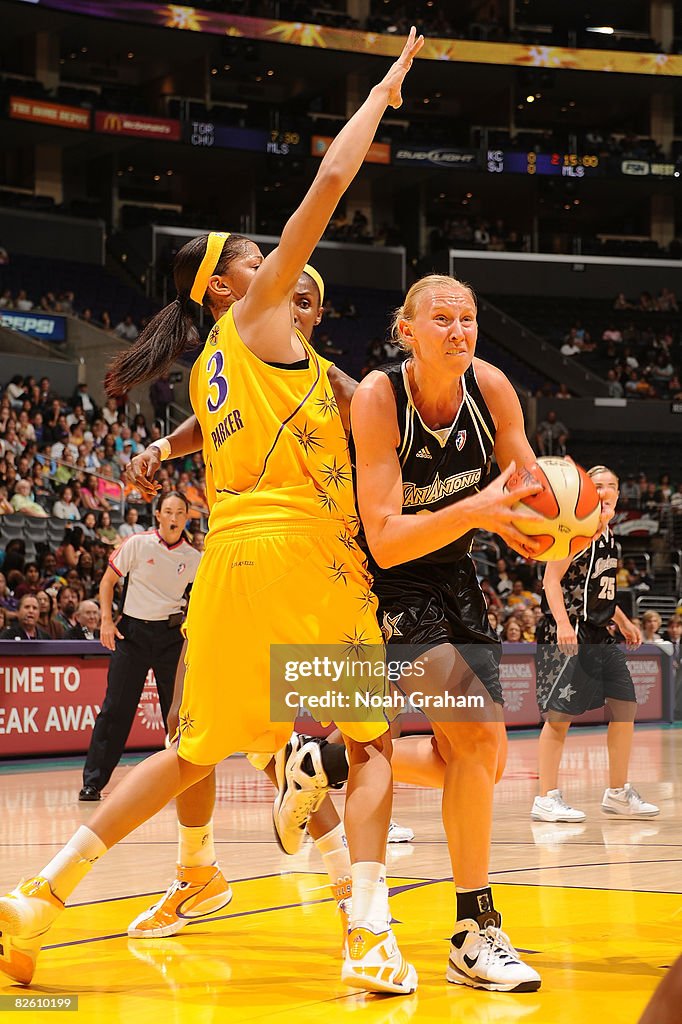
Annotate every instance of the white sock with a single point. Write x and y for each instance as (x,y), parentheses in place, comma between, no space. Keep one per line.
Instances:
(196,848)
(370,895)
(73,862)
(334,852)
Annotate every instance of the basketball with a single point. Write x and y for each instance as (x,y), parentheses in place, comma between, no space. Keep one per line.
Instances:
(568,503)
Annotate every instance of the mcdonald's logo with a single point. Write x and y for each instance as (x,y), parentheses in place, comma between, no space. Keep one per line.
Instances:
(113,123)
(117,123)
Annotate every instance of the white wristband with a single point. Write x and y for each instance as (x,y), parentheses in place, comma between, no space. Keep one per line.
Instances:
(164,446)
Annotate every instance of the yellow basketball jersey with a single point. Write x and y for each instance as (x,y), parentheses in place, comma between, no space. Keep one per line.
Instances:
(274,444)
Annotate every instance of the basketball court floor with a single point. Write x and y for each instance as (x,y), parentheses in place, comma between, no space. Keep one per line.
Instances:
(596,907)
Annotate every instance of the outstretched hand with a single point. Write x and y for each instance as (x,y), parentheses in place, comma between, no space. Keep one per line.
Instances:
(141,470)
(393,80)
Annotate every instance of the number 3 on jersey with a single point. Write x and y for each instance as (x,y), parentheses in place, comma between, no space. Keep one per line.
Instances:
(215,367)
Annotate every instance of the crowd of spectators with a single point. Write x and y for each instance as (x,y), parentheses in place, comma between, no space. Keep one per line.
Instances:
(475,233)
(639,359)
(64,304)
(62,462)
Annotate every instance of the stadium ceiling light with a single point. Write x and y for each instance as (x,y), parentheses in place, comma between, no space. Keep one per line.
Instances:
(604,30)
(270,73)
(530,98)
(130,54)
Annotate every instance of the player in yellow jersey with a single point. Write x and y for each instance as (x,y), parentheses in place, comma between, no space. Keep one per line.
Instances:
(282,524)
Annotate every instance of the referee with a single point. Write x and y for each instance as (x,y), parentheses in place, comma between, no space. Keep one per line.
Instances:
(159,565)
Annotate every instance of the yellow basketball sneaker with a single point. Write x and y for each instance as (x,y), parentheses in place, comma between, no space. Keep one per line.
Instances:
(194,893)
(374,963)
(26,914)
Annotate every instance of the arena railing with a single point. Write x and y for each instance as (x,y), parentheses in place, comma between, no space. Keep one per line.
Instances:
(45,460)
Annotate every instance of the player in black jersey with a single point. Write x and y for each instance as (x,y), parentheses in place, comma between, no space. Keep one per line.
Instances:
(580,666)
(425,432)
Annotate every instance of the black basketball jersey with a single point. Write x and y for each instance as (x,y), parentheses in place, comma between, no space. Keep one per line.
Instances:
(442,467)
(590,583)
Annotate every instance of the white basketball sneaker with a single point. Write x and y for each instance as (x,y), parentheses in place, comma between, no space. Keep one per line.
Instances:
(627,803)
(399,833)
(374,963)
(481,956)
(302,785)
(553,807)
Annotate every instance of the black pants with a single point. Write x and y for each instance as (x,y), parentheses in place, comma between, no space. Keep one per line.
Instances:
(146,645)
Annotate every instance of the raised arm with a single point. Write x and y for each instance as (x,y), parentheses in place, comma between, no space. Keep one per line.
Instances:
(262,316)
(394,538)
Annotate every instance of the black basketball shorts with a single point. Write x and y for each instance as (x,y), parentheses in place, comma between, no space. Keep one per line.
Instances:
(425,605)
(585,681)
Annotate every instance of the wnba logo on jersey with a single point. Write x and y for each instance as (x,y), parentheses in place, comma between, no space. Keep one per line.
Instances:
(460,440)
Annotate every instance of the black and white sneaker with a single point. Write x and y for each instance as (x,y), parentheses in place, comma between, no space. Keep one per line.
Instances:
(302,785)
(481,956)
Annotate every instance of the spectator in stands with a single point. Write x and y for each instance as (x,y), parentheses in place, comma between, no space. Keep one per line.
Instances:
(630,492)
(90,497)
(4,621)
(651,624)
(48,570)
(89,526)
(131,526)
(65,507)
(86,572)
(22,302)
(621,302)
(67,602)
(15,391)
(527,622)
(647,303)
(22,501)
(14,556)
(512,631)
(161,395)
(105,319)
(69,551)
(81,397)
(48,609)
(106,532)
(665,489)
(110,411)
(615,386)
(26,625)
(4,257)
(8,601)
(551,436)
(31,580)
(126,329)
(6,507)
(563,392)
(494,620)
(6,300)
(87,622)
(666,301)
(520,596)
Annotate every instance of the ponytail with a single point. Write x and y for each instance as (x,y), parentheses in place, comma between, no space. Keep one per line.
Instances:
(174,330)
(167,335)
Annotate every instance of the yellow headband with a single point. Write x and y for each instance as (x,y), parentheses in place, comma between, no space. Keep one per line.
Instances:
(214,248)
(317,278)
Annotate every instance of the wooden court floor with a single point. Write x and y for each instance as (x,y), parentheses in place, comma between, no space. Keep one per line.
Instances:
(597,907)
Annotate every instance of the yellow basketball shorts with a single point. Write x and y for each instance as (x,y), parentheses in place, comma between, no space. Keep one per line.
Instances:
(298,583)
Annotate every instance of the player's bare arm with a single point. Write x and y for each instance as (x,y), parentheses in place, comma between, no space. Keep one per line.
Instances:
(393,537)
(511,443)
(551,583)
(262,316)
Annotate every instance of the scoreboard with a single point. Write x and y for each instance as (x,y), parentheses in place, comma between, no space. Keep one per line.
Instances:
(566,165)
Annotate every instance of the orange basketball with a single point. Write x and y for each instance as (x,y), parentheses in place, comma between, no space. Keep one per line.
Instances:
(568,503)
